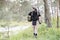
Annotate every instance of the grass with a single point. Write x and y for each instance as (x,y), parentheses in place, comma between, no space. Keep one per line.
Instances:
(44,33)
(54,21)
(11,23)
(1,35)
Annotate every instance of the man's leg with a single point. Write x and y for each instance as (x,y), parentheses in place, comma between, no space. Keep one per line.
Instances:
(35,28)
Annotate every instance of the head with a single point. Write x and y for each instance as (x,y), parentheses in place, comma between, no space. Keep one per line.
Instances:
(34,9)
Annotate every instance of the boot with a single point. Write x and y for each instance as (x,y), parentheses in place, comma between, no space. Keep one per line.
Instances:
(35,35)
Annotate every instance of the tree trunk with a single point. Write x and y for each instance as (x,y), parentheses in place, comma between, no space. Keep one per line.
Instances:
(47,14)
(59,4)
(58,13)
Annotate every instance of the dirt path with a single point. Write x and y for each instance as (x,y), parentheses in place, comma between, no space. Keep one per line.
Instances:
(12,30)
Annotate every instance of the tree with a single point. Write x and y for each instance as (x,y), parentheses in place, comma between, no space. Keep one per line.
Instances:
(47,13)
(58,1)
(59,4)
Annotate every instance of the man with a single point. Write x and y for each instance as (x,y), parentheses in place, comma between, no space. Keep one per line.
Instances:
(34,18)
